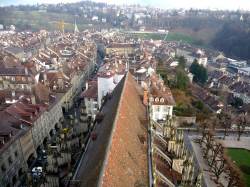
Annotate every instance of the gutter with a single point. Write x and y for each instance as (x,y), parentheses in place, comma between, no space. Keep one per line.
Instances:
(150,160)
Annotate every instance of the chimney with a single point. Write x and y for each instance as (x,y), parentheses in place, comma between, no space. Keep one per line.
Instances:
(145,97)
(45,76)
(26,70)
(164,88)
(33,100)
(13,93)
(87,86)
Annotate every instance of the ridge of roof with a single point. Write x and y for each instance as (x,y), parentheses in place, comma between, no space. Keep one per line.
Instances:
(125,146)
(107,152)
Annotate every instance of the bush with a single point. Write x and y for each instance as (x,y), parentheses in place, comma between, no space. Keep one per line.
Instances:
(181,80)
(198,104)
(245,169)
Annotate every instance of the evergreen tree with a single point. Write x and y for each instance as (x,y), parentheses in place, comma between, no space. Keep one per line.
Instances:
(199,72)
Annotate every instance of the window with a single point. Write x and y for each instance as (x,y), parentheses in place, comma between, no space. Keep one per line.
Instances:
(10,160)
(16,154)
(3,168)
(165,109)
(157,108)
(14,180)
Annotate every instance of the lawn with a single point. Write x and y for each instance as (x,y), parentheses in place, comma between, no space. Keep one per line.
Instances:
(241,158)
(172,36)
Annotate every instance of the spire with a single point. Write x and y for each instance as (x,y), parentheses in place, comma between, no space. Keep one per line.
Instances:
(76,28)
(241,18)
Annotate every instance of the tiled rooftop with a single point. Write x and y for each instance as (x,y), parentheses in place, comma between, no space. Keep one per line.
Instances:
(127,158)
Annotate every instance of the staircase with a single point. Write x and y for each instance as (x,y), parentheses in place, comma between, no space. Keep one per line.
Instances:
(164,179)
(163,155)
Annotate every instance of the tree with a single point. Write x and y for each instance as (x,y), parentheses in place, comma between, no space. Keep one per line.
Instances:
(181,80)
(199,72)
(237,102)
(233,39)
(208,144)
(225,121)
(219,166)
(216,150)
(198,104)
(182,62)
(241,125)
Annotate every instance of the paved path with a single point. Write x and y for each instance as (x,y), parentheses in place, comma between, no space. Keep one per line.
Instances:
(232,142)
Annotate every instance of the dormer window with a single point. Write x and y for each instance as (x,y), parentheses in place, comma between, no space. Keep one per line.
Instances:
(157,99)
(162,100)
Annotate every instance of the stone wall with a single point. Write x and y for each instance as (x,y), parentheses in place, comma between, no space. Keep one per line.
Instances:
(181,119)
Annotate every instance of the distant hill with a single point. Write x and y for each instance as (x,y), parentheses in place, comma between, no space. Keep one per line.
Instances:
(222,30)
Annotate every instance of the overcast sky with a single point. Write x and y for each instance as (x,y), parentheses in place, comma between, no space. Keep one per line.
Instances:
(212,4)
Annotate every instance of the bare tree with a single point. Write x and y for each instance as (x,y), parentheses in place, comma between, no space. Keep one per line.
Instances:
(241,125)
(208,143)
(225,121)
(218,167)
(203,133)
(216,150)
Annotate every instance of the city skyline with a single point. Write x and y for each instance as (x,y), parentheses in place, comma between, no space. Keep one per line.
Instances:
(167,4)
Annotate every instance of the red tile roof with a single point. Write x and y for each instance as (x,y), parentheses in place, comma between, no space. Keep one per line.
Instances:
(91,92)
(127,157)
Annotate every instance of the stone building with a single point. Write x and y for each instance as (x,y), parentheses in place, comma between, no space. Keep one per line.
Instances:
(13,150)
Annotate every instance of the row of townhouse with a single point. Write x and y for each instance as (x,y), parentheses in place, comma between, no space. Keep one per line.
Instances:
(25,126)
(230,83)
(36,110)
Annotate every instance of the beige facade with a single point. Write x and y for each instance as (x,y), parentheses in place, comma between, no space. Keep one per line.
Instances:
(12,165)
(120,50)
(45,123)
(27,145)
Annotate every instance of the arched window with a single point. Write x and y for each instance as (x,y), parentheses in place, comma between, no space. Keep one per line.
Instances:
(157,99)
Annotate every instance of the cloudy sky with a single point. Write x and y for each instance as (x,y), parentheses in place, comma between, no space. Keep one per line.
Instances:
(212,4)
